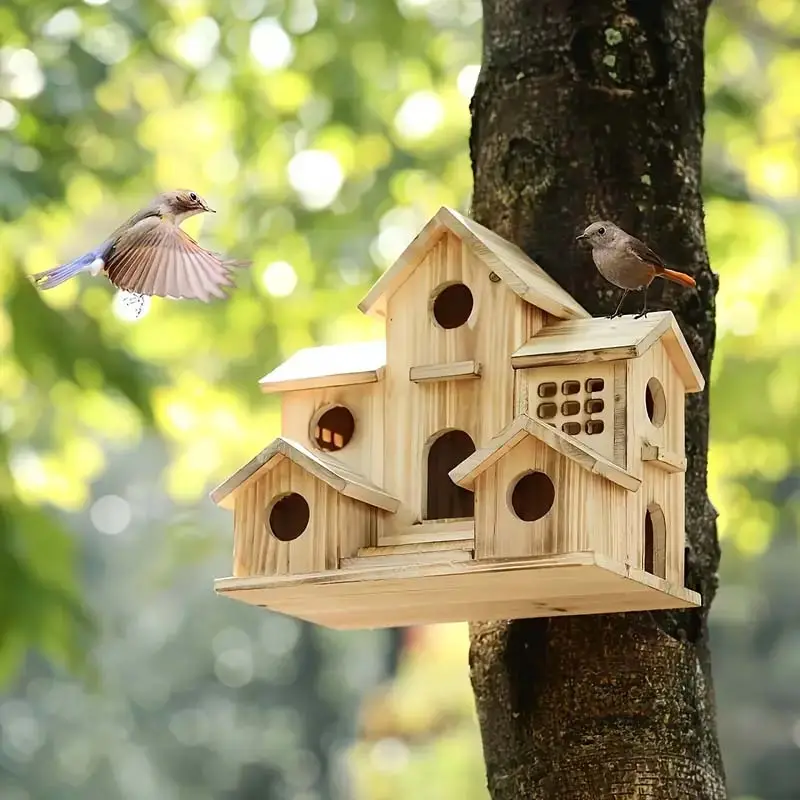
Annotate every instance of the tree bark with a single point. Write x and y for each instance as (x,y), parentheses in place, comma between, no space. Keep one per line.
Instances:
(584,111)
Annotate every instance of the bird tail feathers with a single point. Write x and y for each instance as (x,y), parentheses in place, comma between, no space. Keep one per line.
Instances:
(678,277)
(57,275)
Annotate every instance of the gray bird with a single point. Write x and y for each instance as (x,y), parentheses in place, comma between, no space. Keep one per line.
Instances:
(627,262)
(149,254)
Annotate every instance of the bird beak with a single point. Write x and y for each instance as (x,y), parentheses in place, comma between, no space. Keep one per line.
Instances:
(578,238)
(209,209)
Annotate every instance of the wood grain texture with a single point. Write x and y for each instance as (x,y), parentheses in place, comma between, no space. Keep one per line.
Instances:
(519,273)
(421,411)
(588,111)
(567,446)
(451,590)
(328,365)
(364,453)
(598,339)
(457,370)
(325,468)
(338,526)
(666,460)
(532,379)
(588,512)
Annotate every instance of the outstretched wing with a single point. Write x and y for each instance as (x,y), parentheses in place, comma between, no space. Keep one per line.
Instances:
(158,258)
(645,254)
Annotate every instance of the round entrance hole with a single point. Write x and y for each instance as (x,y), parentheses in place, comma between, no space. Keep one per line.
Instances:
(655,402)
(532,496)
(288,517)
(333,428)
(453,305)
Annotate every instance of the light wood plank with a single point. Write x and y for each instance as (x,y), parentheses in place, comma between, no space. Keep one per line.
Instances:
(412,549)
(469,469)
(452,590)
(518,272)
(328,365)
(620,415)
(678,349)
(665,459)
(417,413)
(596,339)
(432,531)
(457,370)
(325,468)
(577,341)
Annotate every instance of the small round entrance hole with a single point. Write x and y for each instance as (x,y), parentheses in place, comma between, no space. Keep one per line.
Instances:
(453,305)
(655,402)
(334,428)
(288,517)
(532,496)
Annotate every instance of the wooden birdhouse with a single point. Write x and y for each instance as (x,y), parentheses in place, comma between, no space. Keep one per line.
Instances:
(501,454)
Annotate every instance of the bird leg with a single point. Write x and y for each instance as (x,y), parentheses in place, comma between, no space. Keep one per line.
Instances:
(643,312)
(619,305)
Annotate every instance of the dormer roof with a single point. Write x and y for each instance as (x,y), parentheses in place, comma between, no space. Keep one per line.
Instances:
(325,468)
(578,341)
(328,365)
(522,275)
(569,447)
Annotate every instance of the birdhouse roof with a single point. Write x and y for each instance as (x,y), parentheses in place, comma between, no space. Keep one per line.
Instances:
(324,467)
(523,425)
(577,341)
(328,365)
(522,275)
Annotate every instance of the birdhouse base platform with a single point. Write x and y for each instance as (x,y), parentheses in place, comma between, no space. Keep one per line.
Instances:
(364,594)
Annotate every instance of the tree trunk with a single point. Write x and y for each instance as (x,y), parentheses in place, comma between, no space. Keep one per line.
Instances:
(586,111)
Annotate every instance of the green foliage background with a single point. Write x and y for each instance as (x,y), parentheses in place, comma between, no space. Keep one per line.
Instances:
(325,133)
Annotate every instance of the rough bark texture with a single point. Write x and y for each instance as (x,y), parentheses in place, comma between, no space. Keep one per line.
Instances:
(584,111)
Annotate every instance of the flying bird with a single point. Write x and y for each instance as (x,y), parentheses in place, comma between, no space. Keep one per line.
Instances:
(627,262)
(150,255)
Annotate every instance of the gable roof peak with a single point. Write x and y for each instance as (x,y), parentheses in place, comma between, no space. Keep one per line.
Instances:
(521,274)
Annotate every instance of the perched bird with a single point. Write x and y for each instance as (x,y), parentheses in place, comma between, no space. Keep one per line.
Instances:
(627,262)
(150,255)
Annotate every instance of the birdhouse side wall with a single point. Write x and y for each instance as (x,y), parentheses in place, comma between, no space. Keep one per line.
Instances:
(337,526)
(588,512)
(586,401)
(654,364)
(661,496)
(416,413)
(301,411)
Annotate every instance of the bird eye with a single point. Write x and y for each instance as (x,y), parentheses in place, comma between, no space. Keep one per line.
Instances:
(193,197)
(601,231)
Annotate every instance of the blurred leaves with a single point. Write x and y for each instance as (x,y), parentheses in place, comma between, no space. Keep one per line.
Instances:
(76,351)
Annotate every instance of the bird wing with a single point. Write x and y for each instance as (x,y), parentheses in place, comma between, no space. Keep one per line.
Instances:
(645,254)
(154,257)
